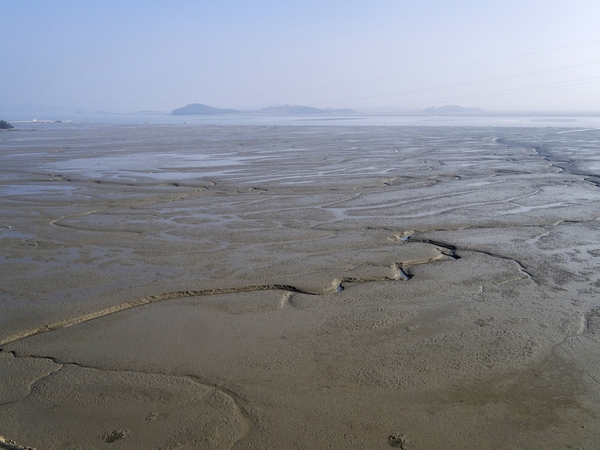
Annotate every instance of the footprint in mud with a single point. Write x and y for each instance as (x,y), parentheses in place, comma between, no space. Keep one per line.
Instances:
(593,321)
(112,436)
(398,440)
(484,322)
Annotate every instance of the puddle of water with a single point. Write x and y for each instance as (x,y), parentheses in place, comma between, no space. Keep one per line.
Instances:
(10,233)
(36,189)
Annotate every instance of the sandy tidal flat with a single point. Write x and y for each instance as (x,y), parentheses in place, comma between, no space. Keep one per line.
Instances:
(174,287)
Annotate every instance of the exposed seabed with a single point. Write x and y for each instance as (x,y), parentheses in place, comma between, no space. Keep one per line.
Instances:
(299,287)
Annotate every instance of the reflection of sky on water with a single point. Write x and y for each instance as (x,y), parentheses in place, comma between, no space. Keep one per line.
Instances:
(46,189)
(169,175)
(7,232)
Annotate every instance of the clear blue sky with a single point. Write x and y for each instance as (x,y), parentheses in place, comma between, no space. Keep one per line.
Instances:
(141,55)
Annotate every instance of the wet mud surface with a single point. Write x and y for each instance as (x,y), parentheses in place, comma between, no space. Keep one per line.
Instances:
(299,287)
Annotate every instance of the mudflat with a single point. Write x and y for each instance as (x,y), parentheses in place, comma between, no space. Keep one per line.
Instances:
(171,287)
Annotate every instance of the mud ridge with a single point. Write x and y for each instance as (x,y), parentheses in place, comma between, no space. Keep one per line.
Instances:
(400,272)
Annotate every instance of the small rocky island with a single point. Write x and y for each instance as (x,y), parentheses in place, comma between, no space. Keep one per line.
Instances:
(196,108)
(4,125)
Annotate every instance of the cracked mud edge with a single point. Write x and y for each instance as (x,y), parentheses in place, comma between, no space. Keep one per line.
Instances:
(590,324)
(400,272)
(409,236)
(543,225)
(453,249)
(8,444)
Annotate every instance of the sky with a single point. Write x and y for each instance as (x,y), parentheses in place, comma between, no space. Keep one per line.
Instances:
(133,56)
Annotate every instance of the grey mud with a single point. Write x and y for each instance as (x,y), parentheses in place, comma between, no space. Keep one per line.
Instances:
(170,287)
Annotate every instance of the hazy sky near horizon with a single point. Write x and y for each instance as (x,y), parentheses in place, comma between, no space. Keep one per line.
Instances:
(157,55)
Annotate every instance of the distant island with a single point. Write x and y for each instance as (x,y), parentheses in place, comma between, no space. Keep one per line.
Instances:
(301,110)
(4,125)
(285,110)
(197,108)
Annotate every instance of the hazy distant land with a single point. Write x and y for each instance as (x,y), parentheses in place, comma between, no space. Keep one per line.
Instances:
(28,112)
(447,110)
(290,110)
(197,108)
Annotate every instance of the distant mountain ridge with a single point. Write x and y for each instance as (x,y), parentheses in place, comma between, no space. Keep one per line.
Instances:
(301,110)
(198,108)
(285,110)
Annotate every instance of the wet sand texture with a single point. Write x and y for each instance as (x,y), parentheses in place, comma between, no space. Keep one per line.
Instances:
(299,287)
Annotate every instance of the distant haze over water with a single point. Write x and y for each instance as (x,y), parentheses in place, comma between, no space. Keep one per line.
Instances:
(24,121)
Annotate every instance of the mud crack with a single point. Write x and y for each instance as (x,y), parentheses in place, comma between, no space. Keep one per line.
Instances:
(453,249)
